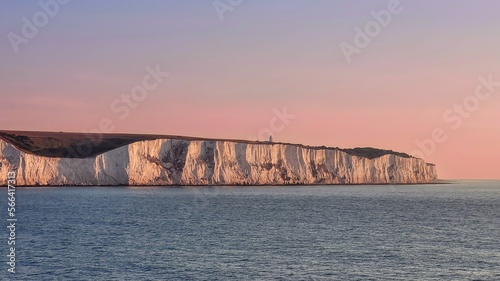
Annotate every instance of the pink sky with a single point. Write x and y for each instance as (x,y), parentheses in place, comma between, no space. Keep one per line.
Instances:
(226,77)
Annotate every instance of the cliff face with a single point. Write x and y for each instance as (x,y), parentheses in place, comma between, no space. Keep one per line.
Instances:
(212,162)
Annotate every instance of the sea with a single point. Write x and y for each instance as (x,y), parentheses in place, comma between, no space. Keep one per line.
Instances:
(356,232)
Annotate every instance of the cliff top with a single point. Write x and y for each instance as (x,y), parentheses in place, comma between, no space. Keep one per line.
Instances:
(81,145)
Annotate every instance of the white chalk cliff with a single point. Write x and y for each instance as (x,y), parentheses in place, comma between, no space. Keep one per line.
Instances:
(212,162)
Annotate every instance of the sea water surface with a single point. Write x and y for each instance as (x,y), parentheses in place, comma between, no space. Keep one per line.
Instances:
(381,232)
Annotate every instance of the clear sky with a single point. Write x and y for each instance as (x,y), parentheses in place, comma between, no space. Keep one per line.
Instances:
(233,64)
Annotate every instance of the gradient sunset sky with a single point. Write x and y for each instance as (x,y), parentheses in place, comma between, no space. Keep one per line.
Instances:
(227,76)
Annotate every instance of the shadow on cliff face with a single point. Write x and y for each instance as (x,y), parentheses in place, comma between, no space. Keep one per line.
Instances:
(207,156)
(112,167)
(241,159)
(12,155)
(173,158)
(109,168)
(74,172)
